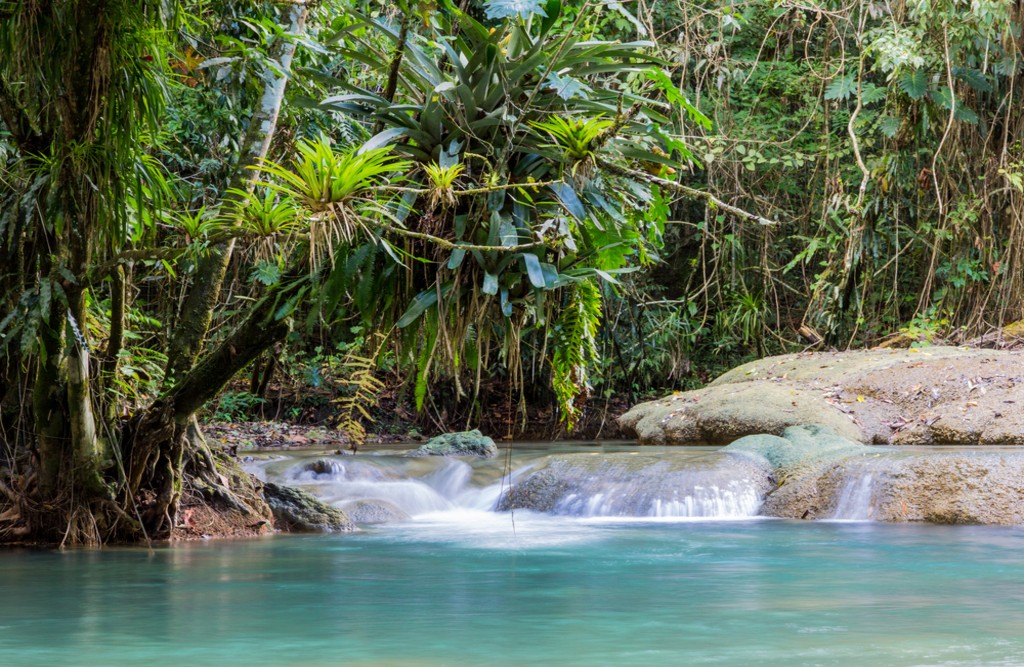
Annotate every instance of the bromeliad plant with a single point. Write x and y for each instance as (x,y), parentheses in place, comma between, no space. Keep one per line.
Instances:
(511,212)
(579,140)
(335,188)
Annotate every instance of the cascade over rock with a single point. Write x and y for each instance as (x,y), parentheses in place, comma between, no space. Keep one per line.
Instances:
(934,395)
(820,475)
(629,484)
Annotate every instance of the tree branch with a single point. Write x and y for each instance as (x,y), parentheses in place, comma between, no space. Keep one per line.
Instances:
(685,190)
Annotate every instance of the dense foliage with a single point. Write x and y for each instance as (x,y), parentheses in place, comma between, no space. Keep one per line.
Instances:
(501,203)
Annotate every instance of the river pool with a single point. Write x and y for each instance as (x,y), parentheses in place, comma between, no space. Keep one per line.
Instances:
(464,586)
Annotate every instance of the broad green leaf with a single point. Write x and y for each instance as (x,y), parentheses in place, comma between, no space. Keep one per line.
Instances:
(566,86)
(382,139)
(915,84)
(841,87)
(420,303)
(534,270)
(490,284)
(504,9)
(570,200)
(973,78)
(889,126)
(455,261)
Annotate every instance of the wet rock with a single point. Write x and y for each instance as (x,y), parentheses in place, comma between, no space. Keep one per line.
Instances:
(374,511)
(820,475)
(324,467)
(797,460)
(464,443)
(297,511)
(628,484)
(934,395)
(946,487)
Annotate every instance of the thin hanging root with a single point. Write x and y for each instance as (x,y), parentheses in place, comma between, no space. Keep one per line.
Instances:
(7,491)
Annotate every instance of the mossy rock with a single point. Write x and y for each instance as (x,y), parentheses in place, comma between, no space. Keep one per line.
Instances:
(463,443)
(300,512)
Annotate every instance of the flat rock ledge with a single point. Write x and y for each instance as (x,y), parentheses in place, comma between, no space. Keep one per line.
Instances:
(926,396)
(820,475)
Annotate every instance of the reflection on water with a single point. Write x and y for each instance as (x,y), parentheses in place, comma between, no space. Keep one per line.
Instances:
(470,588)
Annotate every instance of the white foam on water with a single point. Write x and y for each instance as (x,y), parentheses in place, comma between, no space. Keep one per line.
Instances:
(442,490)
(504,531)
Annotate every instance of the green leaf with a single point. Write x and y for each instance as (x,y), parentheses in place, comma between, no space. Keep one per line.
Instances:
(915,84)
(841,87)
(382,139)
(534,270)
(490,284)
(506,305)
(889,126)
(552,10)
(570,200)
(45,294)
(455,261)
(566,86)
(267,273)
(504,9)
(420,303)
(973,78)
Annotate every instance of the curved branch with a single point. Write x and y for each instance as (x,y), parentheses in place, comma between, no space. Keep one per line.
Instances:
(684,190)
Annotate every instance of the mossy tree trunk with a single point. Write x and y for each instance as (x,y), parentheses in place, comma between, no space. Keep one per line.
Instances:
(68,102)
(168,433)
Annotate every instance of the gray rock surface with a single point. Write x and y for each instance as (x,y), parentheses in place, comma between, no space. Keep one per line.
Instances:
(298,511)
(933,395)
(374,511)
(820,475)
(463,443)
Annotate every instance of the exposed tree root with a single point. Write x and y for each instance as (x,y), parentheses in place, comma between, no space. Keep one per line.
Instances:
(202,494)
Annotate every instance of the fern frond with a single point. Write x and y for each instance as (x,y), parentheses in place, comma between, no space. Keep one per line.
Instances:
(364,389)
(574,348)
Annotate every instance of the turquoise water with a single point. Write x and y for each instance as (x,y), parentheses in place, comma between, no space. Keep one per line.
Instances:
(469,588)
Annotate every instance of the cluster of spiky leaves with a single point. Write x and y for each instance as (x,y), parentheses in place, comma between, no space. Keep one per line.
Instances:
(505,123)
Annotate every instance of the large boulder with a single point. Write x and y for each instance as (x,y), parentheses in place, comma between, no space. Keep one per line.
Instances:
(937,395)
(983,487)
(463,443)
(298,511)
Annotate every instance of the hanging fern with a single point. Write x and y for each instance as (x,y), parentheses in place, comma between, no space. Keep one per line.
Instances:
(574,346)
(364,390)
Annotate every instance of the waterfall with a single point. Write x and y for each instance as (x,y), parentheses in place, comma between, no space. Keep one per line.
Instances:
(854,502)
(687,484)
(628,485)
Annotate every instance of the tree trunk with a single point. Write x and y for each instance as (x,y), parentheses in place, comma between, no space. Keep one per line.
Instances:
(159,443)
(197,313)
